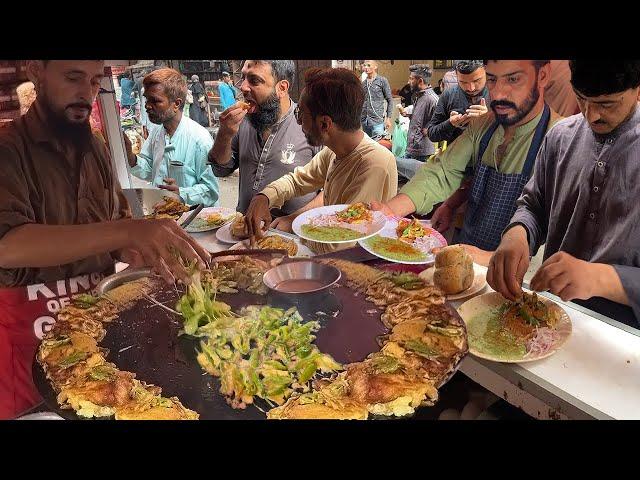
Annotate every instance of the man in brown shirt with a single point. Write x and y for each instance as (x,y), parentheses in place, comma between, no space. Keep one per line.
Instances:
(63,219)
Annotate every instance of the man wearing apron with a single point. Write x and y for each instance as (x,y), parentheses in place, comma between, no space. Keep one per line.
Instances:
(63,220)
(582,201)
(489,164)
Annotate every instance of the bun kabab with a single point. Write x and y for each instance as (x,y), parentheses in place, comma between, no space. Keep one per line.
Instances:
(454,269)
(244,105)
(239,228)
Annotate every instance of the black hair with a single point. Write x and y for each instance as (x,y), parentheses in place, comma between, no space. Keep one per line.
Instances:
(604,77)
(468,66)
(421,70)
(282,69)
(538,64)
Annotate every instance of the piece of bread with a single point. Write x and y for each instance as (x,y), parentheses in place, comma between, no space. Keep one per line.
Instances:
(244,105)
(239,228)
(454,269)
(451,255)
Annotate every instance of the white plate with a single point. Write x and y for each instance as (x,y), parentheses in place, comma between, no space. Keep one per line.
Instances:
(389,231)
(378,223)
(479,282)
(199,224)
(303,250)
(472,310)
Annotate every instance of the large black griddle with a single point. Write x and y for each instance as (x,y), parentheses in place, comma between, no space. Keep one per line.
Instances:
(144,339)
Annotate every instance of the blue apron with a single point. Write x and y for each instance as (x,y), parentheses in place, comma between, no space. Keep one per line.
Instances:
(492,201)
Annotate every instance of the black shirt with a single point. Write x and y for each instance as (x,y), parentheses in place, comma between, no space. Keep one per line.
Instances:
(452,99)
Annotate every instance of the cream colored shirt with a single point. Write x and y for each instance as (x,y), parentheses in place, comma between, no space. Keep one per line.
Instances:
(368,173)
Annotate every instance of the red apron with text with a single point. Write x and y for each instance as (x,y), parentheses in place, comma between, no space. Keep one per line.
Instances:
(26,314)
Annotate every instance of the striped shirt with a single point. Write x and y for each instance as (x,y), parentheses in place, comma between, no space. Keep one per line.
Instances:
(376,91)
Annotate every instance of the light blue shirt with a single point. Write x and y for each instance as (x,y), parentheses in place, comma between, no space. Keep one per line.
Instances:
(182,156)
(227,95)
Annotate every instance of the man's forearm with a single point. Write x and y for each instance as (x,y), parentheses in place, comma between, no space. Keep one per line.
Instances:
(440,131)
(459,197)
(535,231)
(317,201)
(39,246)
(220,153)
(401,205)
(607,284)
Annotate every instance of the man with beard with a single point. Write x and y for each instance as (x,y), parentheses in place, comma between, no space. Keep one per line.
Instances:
(267,144)
(176,152)
(63,219)
(500,150)
(459,104)
(419,146)
(375,119)
(582,200)
(350,168)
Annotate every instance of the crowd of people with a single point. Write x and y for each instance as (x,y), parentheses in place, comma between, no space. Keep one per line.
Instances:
(527,175)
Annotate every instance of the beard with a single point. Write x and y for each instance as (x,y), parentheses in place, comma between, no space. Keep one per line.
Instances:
(521,110)
(160,118)
(267,114)
(313,138)
(75,133)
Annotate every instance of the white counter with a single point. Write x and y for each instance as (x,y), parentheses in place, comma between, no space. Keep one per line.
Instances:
(596,374)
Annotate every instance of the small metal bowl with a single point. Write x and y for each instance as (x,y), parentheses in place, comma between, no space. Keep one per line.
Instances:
(300,277)
(120,278)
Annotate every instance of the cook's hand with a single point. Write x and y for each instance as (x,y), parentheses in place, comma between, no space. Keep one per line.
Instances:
(381,207)
(475,111)
(257,213)
(442,218)
(131,257)
(170,184)
(158,241)
(458,120)
(284,223)
(509,263)
(565,276)
(387,124)
(231,119)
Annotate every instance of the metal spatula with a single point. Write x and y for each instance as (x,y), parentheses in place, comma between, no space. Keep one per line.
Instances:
(192,215)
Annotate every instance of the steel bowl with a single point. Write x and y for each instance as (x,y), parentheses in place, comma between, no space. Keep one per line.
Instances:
(120,278)
(316,276)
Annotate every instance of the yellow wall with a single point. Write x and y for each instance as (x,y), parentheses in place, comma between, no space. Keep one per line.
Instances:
(398,73)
